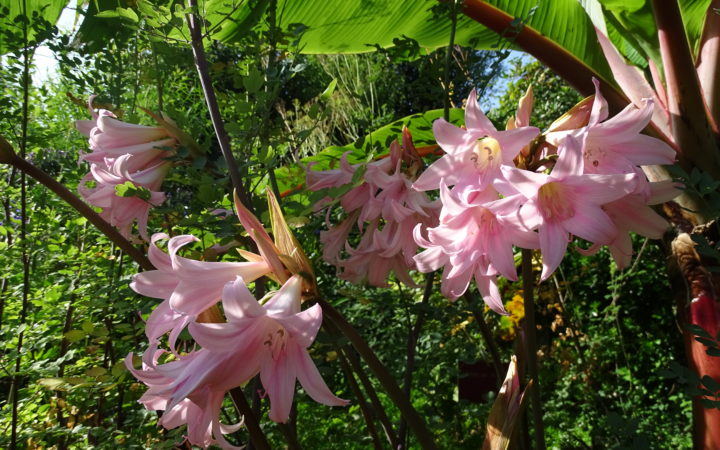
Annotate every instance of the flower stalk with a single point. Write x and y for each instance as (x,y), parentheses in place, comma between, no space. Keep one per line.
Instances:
(416,423)
(211,100)
(531,348)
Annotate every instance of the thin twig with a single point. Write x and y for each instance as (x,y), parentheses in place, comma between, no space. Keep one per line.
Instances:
(23,228)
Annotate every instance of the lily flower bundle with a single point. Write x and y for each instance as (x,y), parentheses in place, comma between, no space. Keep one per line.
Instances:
(500,189)
(385,209)
(270,338)
(128,164)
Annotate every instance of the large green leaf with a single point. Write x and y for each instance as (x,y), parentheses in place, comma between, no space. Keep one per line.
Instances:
(42,16)
(355,26)
(352,26)
(634,20)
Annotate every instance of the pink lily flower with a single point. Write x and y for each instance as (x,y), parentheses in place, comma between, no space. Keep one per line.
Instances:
(473,155)
(111,138)
(333,239)
(122,212)
(615,145)
(123,152)
(631,214)
(386,208)
(200,411)
(271,339)
(188,286)
(567,202)
(473,239)
(379,253)
(635,86)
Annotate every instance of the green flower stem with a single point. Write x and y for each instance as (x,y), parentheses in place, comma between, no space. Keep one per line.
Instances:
(355,367)
(413,335)
(367,415)
(416,423)
(374,399)
(531,347)
(492,347)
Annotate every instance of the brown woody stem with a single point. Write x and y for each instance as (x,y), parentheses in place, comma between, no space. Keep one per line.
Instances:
(211,100)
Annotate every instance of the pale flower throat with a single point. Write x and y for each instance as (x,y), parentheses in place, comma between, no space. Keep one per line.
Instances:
(554,201)
(486,154)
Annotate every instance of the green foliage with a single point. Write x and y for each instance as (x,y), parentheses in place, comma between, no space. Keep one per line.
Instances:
(605,335)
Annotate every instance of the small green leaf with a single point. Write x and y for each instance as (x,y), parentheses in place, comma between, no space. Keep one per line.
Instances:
(109,14)
(253,81)
(147,9)
(76,380)
(100,331)
(313,111)
(128,189)
(707,342)
(128,14)
(327,93)
(87,326)
(711,383)
(51,383)
(698,331)
(75,335)
(118,369)
(96,371)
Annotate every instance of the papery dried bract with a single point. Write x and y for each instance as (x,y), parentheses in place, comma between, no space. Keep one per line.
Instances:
(506,410)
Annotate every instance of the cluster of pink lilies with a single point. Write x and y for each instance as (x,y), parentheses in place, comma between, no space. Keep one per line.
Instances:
(504,189)
(124,154)
(497,190)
